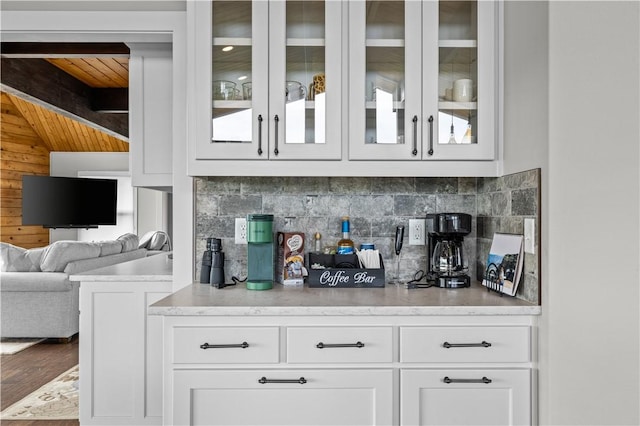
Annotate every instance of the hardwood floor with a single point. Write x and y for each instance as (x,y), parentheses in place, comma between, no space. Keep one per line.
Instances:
(26,371)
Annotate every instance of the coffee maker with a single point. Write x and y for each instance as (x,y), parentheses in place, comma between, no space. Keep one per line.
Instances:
(260,252)
(445,262)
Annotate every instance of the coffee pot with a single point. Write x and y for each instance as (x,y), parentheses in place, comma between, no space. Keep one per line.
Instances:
(446,265)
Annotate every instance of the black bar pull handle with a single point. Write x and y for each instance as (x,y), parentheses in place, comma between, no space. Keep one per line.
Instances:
(260,134)
(358,344)
(263,380)
(415,135)
(449,380)
(482,344)
(275,150)
(243,345)
(431,135)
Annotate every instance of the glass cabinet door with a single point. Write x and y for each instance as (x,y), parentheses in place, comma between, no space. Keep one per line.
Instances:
(422,80)
(231,72)
(465,121)
(385,79)
(304,79)
(231,76)
(273,79)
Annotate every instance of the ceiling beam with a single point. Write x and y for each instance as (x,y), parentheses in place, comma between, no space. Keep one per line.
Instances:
(111,100)
(63,50)
(49,85)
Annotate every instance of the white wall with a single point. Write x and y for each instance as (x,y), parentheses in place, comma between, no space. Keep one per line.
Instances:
(526,130)
(590,373)
(526,100)
(69,163)
(154,215)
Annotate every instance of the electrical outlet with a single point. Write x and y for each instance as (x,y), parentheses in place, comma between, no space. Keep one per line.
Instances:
(241,230)
(417,232)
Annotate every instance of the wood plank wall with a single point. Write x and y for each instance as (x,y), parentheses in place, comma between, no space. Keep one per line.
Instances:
(22,152)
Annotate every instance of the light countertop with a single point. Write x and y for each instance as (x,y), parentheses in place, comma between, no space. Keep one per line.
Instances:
(151,268)
(203,299)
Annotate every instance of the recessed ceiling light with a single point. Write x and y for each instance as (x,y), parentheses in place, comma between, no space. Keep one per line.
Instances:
(227,48)
(242,77)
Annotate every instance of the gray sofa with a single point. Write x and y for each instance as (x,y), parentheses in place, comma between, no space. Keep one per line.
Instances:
(37,298)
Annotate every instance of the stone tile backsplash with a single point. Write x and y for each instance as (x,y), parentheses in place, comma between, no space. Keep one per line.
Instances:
(375,205)
(503,204)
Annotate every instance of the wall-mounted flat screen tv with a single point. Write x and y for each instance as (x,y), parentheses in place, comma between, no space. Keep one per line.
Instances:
(64,202)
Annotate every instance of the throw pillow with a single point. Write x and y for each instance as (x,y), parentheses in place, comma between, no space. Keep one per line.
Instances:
(158,241)
(18,259)
(58,254)
(129,242)
(146,239)
(110,247)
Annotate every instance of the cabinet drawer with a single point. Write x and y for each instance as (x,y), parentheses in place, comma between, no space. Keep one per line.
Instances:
(339,344)
(221,345)
(465,397)
(465,344)
(283,397)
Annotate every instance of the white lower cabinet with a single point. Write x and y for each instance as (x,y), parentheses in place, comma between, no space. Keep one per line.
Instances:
(120,353)
(465,397)
(378,370)
(283,397)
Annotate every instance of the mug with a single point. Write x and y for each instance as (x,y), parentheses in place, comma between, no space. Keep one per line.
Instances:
(448,94)
(294,91)
(463,90)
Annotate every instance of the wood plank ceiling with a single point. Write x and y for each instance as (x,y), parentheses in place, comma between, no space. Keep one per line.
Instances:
(61,133)
(29,131)
(96,72)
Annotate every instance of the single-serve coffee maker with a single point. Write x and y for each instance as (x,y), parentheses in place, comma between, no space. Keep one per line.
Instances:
(445,262)
(260,252)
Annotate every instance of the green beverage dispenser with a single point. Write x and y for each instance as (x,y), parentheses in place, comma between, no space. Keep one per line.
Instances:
(260,252)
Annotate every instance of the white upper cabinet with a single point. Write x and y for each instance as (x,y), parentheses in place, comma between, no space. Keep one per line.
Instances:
(151,114)
(267,80)
(422,80)
(355,88)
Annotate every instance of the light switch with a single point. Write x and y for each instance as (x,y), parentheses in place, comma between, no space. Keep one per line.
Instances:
(529,235)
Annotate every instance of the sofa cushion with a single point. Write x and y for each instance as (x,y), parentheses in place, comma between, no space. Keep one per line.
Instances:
(110,247)
(80,266)
(36,282)
(18,259)
(58,254)
(129,242)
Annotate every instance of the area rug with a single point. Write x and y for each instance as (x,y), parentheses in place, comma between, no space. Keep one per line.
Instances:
(11,346)
(56,400)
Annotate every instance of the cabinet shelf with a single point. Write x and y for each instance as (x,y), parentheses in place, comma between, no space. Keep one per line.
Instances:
(458,43)
(446,105)
(241,104)
(305,42)
(231,41)
(246,41)
(384,42)
(373,104)
(443,105)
